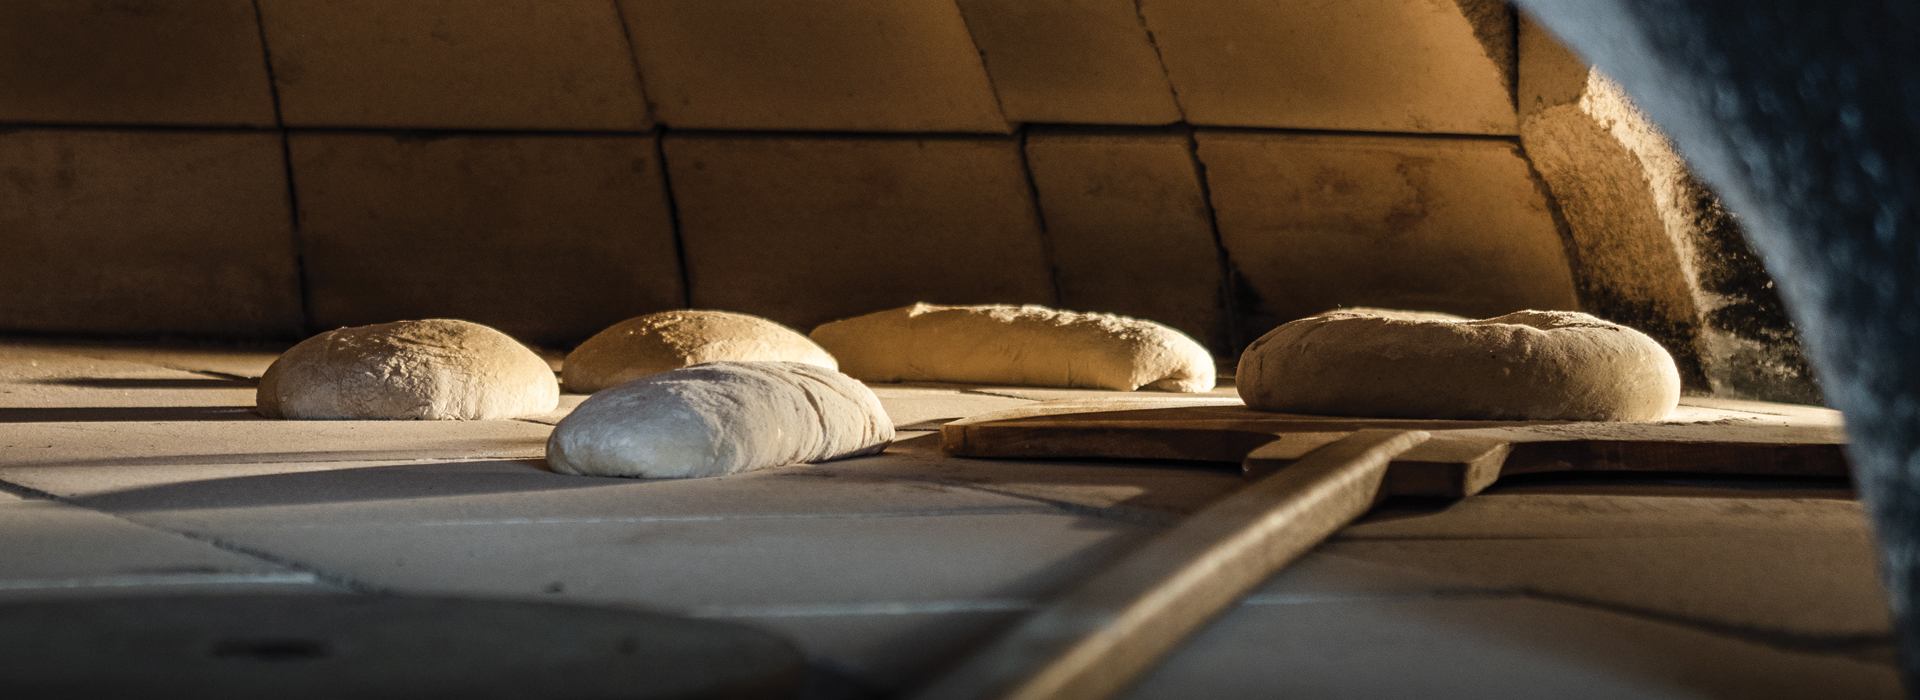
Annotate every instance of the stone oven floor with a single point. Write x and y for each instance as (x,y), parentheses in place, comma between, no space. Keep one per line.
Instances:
(129,470)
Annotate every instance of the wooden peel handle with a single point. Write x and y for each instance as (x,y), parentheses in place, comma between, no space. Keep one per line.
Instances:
(1094,641)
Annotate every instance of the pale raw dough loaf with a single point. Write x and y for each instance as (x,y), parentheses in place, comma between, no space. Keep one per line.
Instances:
(720,418)
(1017,345)
(654,343)
(1529,365)
(437,369)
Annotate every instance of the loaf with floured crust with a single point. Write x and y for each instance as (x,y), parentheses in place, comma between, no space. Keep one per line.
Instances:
(1017,345)
(647,345)
(1528,365)
(436,369)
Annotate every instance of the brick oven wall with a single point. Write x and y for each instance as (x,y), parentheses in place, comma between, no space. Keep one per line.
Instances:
(242,169)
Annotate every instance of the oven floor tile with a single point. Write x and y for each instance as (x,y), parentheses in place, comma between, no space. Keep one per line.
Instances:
(1474,646)
(57,550)
(432,495)
(712,565)
(888,568)
(1809,586)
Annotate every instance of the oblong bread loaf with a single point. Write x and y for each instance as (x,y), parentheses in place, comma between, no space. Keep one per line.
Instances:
(648,345)
(436,369)
(720,418)
(1529,365)
(1018,345)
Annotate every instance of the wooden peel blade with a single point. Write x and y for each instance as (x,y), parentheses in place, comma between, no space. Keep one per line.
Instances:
(1097,639)
(1704,436)
(1325,472)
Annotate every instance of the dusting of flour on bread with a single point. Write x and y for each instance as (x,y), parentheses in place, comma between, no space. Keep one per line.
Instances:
(436,369)
(1018,345)
(1528,365)
(647,345)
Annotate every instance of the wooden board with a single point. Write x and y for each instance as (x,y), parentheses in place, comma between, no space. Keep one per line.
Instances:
(1705,436)
(1315,475)
(1092,642)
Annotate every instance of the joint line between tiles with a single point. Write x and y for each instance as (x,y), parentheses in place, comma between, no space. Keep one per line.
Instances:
(673,217)
(934,607)
(217,375)
(1273,599)
(1160,58)
(993,86)
(341,581)
(1784,640)
(319,575)
(1228,294)
(983,392)
(143,580)
(1121,515)
(644,519)
(302,280)
(376,458)
(1047,252)
(633,59)
(941,607)
(30,492)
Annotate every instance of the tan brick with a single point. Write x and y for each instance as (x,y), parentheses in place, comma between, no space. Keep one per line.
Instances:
(548,238)
(126,233)
(1312,222)
(500,64)
(1430,66)
(808,230)
(1071,61)
(1656,249)
(1129,227)
(187,62)
(852,65)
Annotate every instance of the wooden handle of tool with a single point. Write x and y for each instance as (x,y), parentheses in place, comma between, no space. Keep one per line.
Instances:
(1094,641)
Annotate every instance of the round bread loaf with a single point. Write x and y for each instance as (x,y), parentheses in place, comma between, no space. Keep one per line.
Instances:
(1018,345)
(648,345)
(1400,314)
(437,369)
(1529,365)
(720,418)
